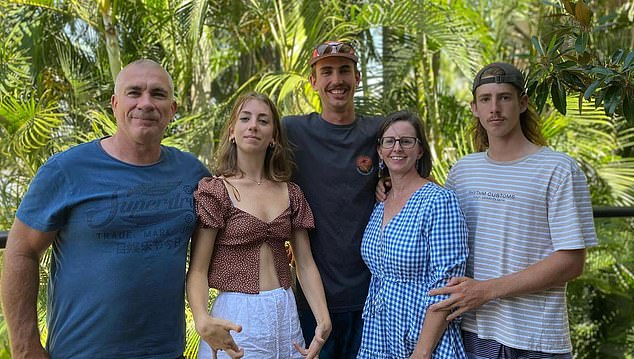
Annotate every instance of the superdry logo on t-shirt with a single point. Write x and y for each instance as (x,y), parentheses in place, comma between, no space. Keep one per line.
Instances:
(143,205)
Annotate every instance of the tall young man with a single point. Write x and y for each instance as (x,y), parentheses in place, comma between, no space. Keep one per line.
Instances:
(335,153)
(530,221)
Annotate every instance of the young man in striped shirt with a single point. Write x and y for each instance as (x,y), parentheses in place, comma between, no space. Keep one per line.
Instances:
(529,216)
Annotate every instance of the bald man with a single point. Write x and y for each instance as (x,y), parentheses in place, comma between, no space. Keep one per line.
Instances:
(118,212)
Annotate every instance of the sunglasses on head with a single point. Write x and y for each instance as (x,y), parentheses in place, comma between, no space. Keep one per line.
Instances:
(333,48)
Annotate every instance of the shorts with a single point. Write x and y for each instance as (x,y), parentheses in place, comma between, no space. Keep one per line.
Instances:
(478,348)
(269,322)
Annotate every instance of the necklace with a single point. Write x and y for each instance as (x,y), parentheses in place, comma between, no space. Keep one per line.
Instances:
(252,180)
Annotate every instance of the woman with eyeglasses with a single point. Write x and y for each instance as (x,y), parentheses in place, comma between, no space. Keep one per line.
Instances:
(415,241)
(246,213)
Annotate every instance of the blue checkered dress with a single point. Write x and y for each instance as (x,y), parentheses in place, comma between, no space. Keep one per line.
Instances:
(421,247)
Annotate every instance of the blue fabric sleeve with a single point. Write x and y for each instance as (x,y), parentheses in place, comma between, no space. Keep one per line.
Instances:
(448,237)
(45,205)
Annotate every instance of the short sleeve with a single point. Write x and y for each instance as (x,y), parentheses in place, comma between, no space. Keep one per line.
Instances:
(301,214)
(211,203)
(45,205)
(447,233)
(570,212)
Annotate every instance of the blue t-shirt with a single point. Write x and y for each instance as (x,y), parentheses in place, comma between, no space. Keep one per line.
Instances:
(337,170)
(117,277)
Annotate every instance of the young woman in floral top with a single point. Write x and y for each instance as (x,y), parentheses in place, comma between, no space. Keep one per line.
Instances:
(245,215)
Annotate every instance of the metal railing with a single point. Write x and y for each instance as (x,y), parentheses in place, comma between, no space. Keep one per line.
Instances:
(605,211)
(597,212)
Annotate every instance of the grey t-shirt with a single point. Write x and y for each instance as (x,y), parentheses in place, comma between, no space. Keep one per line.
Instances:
(337,170)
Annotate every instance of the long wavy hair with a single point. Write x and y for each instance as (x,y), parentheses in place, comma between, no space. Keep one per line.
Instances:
(423,166)
(530,121)
(278,162)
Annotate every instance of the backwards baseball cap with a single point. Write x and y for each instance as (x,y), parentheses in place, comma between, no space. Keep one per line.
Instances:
(499,72)
(333,49)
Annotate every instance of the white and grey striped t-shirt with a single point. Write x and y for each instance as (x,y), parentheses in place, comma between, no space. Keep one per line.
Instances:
(518,213)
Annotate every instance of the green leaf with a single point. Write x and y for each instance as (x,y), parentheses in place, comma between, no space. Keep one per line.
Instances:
(542,95)
(590,90)
(572,79)
(598,98)
(602,71)
(628,60)
(537,45)
(581,43)
(554,45)
(558,94)
(612,99)
(617,56)
(565,65)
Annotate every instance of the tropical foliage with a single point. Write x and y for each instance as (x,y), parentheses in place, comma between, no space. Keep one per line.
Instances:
(58,61)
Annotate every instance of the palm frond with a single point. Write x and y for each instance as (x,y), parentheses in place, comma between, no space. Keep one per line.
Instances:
(79,77)
(595,140)
(30,123)
(14,62)
(101,124)
(83,9)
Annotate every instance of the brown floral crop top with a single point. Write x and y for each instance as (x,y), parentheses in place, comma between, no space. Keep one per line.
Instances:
(235,262)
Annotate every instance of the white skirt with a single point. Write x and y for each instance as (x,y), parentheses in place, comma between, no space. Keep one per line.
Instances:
(269,320)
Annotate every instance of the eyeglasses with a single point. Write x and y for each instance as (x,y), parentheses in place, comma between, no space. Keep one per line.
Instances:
(333,48)
(405,142)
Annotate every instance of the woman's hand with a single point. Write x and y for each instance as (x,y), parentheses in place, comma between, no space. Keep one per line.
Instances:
(216,332)
(322,331)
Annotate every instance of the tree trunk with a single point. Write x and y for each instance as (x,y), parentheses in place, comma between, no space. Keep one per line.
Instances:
(112,40)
